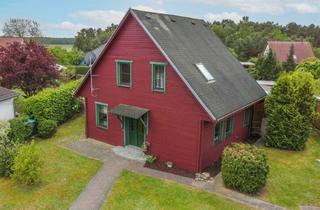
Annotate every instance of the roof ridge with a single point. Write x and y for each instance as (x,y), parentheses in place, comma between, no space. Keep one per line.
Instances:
(160,13)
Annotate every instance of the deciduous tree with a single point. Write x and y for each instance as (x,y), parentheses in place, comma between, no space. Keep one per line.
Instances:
(17,27)
(27,66)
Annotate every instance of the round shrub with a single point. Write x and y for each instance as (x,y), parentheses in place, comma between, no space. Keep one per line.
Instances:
(244,168)
(27,165)
(47,128)
(21,129)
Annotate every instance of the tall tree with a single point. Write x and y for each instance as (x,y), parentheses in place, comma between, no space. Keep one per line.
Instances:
(267,67)
(88,39)
(28,66)
(17,27)
(311,65)
(290,64)
(289,109)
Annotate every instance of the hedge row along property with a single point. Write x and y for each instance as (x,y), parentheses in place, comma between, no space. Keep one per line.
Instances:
(188,106)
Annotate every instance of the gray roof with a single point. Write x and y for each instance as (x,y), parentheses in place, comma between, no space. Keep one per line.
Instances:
(6,94)
(129,111)
(92,55)
(187,41)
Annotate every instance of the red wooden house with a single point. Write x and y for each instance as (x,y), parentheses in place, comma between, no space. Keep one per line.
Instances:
(168,80)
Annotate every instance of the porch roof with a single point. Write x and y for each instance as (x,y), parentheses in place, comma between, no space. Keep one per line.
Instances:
(129,111)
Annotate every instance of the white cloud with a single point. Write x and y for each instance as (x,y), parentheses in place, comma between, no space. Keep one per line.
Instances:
(225,15)
(147,8)
(99,18)
(65,25)
(269,7)
(303,8)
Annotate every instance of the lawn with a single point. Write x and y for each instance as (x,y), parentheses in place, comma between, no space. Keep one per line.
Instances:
(64,175)
(137,191)
(294,176)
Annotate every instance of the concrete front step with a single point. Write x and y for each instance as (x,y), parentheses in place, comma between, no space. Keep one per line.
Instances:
(130,152)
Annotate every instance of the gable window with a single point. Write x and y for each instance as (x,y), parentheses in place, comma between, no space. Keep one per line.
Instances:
(124,71)
(101,115)
(217,135)
(158,76)
(204,71)
(229,127)
(246,117)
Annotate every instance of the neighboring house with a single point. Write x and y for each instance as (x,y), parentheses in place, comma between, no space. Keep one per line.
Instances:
(90,57)
(169,81)
(267,85)
(7,111)
(5,41)
(302,50)
(247,64)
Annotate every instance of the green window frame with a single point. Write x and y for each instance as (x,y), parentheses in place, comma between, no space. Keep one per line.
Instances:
(124,73)
(217,133)
(246,117)
(158,76)
(229,127)
(102,112)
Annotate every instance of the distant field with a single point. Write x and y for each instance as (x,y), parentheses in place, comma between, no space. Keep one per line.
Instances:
(68,47)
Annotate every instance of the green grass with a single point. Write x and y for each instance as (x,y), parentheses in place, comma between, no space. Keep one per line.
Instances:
(136,191)
(294,177)
(64,174)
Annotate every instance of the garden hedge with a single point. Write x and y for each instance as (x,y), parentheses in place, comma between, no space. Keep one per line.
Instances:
(244,167)
(57,104)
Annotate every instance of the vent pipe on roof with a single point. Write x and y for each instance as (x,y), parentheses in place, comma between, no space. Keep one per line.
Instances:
(172,20)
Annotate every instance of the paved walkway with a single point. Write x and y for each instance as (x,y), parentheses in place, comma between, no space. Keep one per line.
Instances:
(96,192)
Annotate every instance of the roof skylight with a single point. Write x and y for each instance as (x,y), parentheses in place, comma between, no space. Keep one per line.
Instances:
(205,72)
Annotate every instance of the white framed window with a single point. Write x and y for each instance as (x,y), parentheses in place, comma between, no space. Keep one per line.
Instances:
(204,71)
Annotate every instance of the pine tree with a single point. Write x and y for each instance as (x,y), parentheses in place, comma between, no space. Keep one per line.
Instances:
(290,64)
(267,67)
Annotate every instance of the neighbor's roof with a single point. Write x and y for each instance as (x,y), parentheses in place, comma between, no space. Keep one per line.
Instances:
(187,41)
(7,94)
(266,85)
(302,50)
(5,41)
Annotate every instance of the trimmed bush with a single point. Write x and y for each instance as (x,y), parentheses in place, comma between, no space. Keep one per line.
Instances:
(8,150)
(244,168)
(57,104)
(27,165)
(47,128)
(21,129)
(290,109)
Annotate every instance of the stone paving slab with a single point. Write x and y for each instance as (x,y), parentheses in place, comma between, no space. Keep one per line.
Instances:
(91,148)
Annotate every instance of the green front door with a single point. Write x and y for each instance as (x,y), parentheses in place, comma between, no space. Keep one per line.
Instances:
(134,132)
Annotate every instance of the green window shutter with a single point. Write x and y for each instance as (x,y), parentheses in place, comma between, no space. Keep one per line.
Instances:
(217,133)
(124,73)
(158,76)
(229,127)
(246,118)
(102,112)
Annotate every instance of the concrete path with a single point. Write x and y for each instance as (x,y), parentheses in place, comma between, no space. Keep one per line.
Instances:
(94,195)
(96,192)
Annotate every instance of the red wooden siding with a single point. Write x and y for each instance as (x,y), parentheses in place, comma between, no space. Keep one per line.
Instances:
(212,152)
(177,122)
(175,116)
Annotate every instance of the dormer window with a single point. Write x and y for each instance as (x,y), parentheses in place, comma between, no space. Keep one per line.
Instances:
(204,71)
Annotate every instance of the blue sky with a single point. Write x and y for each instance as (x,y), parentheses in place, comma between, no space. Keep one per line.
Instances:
(63,18)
